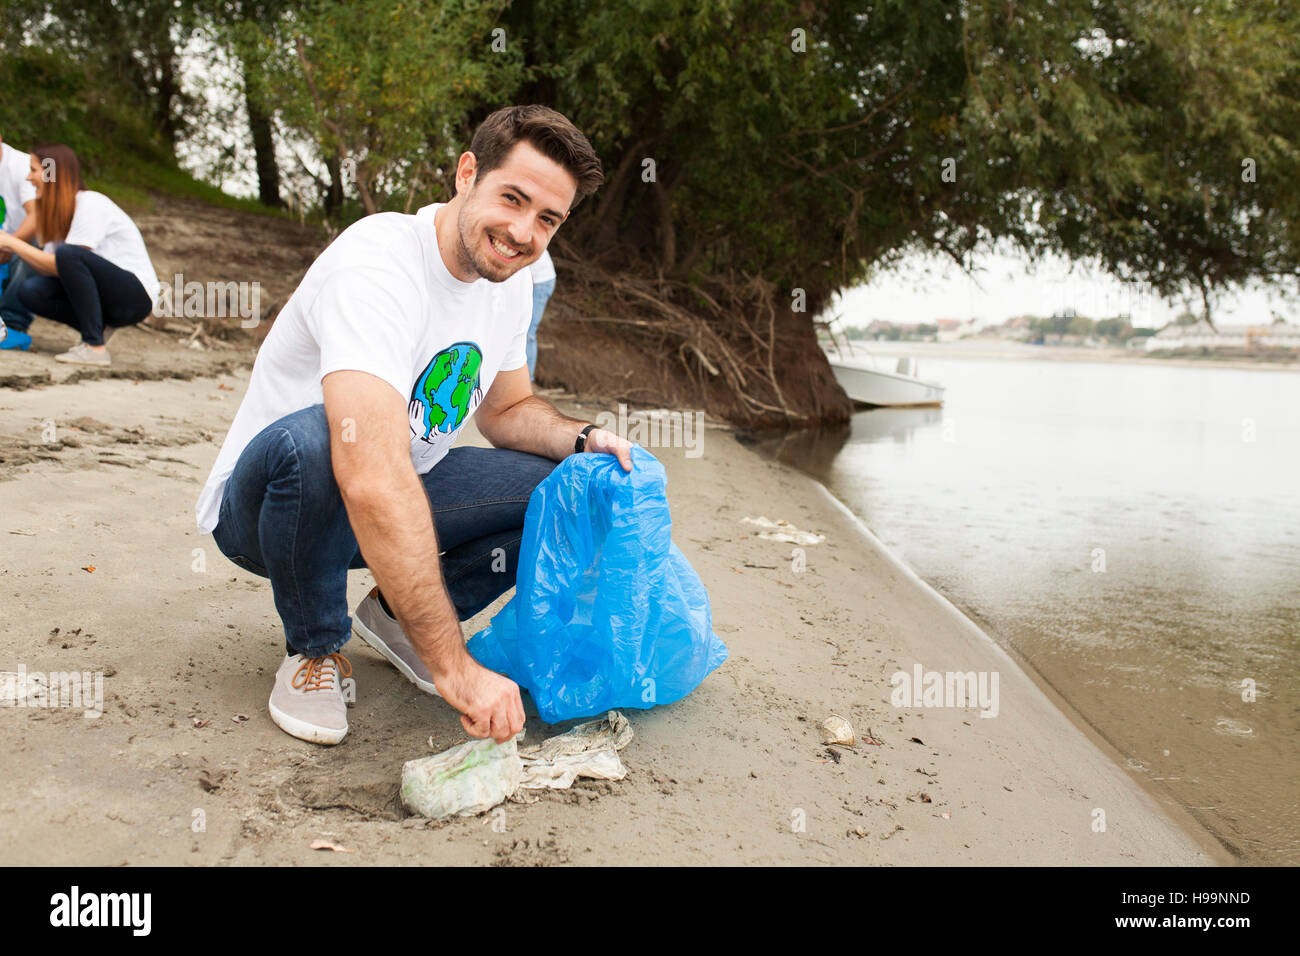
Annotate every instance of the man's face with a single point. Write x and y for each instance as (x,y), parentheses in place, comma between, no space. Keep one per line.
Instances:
(510,214)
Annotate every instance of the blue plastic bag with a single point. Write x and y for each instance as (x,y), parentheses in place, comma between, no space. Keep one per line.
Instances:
(607,614)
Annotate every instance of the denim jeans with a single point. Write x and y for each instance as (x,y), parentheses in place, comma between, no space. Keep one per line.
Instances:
(13,313)
(282,518)
(541,292)
(88,293)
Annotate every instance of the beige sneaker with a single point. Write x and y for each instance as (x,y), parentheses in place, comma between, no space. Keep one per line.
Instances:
(81,354)
(307,700)
(380,630)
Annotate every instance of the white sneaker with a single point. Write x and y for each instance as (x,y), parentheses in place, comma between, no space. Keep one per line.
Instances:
(81,354)
(380,630)
(307,700)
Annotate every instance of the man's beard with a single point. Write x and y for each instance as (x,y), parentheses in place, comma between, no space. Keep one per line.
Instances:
(478,260)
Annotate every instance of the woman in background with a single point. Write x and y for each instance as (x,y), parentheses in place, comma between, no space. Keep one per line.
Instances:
(93,272)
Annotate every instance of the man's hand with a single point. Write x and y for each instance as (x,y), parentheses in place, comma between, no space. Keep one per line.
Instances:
(415,415)
(489,703)
(601,439)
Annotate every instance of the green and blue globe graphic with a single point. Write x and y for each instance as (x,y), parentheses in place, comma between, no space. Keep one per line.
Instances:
(448,388)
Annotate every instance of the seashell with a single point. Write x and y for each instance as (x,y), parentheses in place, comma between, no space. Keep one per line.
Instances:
(837,730)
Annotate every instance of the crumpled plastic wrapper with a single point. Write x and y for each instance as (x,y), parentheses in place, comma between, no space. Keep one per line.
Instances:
(782,530)
(474,777)
(467,779)
(588,750)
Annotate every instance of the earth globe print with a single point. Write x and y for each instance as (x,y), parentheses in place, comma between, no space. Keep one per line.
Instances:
(448,386)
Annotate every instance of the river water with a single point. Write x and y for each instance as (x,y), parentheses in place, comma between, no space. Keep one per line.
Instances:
(1133,532)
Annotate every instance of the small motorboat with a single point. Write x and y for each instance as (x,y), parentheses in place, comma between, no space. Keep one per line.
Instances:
(866,384)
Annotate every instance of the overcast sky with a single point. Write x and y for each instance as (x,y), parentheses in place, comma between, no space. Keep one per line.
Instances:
(928,289)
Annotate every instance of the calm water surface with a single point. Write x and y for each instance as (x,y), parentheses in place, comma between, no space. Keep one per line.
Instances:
(1133,531)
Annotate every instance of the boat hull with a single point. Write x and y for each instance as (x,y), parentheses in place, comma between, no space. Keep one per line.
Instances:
(875,388)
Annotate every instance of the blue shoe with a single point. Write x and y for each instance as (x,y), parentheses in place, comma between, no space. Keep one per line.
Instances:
(16,340)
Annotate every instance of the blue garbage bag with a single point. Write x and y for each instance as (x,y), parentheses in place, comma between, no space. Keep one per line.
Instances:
(607,612)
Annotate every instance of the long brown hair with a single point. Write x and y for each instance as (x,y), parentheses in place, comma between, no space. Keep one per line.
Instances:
(58,199)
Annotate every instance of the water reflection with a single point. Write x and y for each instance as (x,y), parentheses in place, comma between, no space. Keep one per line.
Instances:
(892,424)
(815,450)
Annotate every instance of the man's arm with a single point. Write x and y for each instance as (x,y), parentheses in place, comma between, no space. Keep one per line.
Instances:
(390,516)
(40,260)
(511,416)
(25,231)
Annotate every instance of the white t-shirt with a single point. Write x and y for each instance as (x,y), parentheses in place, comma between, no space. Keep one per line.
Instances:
(99,224)
(543,269)
(381,300)
(14,187)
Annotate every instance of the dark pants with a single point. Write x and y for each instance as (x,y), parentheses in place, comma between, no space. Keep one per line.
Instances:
(88,293)
(282,518)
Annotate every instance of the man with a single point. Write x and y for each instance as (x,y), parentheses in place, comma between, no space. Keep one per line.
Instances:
(17,208)
(339,456)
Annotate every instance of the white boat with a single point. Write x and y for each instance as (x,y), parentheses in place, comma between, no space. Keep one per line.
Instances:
(866,384)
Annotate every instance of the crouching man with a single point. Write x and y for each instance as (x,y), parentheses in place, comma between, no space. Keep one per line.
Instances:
(339,456)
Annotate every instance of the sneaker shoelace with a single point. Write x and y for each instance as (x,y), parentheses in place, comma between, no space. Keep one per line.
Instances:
(317,673)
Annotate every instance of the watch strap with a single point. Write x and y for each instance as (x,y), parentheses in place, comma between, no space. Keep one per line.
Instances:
(581,443)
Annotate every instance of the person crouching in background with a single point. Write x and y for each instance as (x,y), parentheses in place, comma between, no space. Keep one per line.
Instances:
(17,205)
(93,272)
(543,272)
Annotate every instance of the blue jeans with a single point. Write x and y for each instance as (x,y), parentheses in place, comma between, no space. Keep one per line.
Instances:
(282,518)
(13,313)
(541,292)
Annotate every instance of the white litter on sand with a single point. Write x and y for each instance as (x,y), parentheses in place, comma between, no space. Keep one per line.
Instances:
(473,777)
(588,750)
(783,531)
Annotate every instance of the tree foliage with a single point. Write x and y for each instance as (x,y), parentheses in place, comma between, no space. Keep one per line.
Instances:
(378,85)
(762,155)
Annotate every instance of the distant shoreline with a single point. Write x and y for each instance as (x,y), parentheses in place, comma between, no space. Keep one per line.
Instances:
(987,349)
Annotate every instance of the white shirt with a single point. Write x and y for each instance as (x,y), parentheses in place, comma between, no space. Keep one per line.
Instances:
(381,300)
(99,224)
(543,269)
(14,187)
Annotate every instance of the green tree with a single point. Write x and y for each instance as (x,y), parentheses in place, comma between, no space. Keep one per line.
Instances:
(381,86)
(1167,130)
(129,45)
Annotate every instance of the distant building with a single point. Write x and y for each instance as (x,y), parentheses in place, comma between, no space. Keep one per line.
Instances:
(950,330)
(1279,335)
(1016,328)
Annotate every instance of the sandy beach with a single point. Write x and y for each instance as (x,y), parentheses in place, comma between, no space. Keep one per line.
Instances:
(101,470)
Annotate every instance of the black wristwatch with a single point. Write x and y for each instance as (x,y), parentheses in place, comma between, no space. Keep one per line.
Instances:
(581,443)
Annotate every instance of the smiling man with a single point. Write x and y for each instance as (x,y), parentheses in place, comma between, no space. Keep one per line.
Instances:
(340,455)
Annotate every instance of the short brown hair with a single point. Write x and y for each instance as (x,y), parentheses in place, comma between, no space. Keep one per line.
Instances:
(550,132)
